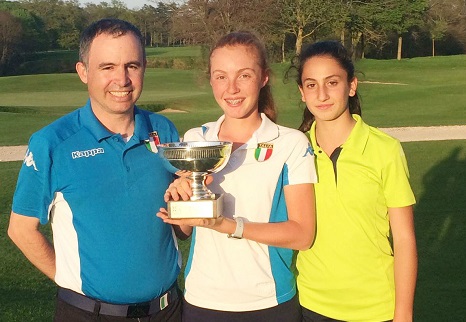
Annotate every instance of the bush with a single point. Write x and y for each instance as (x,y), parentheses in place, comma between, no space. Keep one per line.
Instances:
(183,63)
(152,107)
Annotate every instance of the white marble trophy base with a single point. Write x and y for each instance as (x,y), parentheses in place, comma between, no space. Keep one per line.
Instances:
(204,208)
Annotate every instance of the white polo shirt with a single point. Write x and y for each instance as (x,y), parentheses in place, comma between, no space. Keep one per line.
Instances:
(242,275)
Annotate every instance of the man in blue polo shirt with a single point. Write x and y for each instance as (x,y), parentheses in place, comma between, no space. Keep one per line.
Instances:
(91,176)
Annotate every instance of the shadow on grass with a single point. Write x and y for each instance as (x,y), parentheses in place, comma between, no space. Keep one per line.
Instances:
(34,303)
(25,293)
(441,218)
(18,109)
(152,107)
(439,178)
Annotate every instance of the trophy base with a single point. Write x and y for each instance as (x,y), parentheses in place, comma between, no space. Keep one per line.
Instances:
(204,208)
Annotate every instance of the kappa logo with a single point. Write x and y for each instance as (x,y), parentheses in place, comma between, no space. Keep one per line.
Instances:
(87,153)
(309,150)
(29,160)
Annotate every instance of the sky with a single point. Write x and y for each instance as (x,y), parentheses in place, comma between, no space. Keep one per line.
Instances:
(131,4)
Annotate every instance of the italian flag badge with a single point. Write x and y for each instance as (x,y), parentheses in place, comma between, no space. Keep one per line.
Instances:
(263,151)
(153,141)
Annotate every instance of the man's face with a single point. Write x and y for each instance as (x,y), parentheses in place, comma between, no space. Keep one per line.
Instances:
(114,74)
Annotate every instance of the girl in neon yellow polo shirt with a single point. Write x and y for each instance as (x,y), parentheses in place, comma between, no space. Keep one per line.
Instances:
(352,273)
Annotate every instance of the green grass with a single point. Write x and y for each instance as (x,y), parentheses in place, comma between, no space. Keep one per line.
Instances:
(27,103)
(174,52)
(423,91)
(25,294)
(438,178)
(63,61)
(72,55)
(438,172)
(434,95)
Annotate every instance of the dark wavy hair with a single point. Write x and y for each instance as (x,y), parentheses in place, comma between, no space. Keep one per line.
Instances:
(249,39)
(111,26)
(337,51)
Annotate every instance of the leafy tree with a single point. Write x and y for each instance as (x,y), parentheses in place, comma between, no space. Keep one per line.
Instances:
(443,17)
(29,39)
(399,16)
(363,25)
(185,23)
(197,20)
(10,36)
(303,18)
(437,26)
(358,22)
(204,21)
(63,21)
(73,21)
(113,9)
(156,23)
(162,23)
(145,17)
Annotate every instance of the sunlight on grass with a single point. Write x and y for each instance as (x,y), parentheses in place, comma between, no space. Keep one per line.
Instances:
(434,95)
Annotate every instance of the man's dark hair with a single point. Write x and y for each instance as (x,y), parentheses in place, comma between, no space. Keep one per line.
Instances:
(115,27)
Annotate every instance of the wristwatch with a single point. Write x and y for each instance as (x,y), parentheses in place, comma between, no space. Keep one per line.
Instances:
(238,234)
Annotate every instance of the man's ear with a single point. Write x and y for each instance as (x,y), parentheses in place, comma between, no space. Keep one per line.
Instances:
(82,71)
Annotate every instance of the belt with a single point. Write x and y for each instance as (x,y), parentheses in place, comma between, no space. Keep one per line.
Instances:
(136,310)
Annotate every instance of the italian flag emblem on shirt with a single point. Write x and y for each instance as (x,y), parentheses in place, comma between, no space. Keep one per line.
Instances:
(153,141)
(263,151)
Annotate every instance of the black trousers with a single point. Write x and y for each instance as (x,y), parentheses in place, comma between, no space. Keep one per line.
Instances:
(311,316)
(65,312)
(286,312)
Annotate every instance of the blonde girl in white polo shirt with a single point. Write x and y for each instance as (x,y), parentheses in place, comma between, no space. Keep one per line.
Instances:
(269,200)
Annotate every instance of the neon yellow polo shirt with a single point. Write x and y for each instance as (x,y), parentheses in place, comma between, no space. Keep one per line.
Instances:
(348,273)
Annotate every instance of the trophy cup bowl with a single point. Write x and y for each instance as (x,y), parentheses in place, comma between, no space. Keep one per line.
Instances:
(195,160)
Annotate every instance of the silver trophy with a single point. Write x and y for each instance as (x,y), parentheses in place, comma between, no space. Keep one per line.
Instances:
(195,160)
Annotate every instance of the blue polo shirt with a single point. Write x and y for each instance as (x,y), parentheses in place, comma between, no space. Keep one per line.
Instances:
(101,195)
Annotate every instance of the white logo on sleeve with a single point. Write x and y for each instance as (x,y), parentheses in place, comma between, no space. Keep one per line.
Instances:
(87,153)
(29,160)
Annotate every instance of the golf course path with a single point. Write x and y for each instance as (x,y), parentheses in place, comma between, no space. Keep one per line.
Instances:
(427,133)
(404,134)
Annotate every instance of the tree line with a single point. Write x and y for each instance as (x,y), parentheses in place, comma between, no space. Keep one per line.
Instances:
(369,28)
